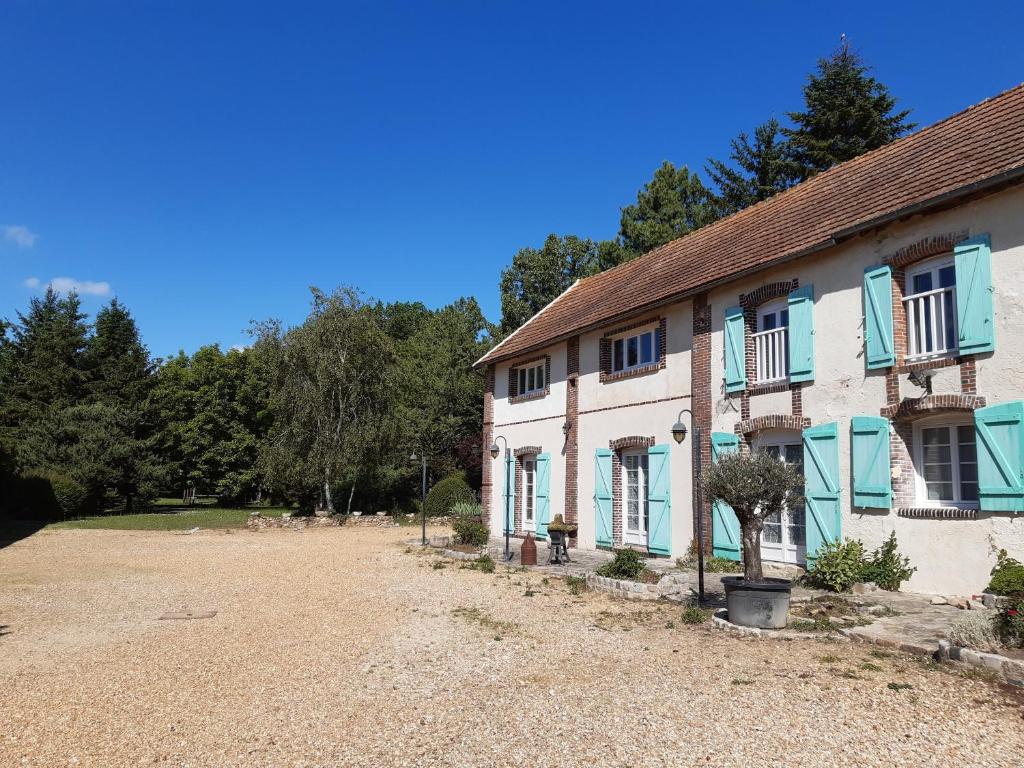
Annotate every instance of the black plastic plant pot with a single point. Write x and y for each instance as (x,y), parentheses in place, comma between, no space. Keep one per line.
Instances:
(763,604)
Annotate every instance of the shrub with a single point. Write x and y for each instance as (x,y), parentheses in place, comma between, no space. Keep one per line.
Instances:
(446,494)
(467,509)
(886,568)
(470,531)
(484,563)
(974,629)
(576,584)
(692,614)
(1007,576)
(1009,621)
(837,566)
(627,565)
(50,496)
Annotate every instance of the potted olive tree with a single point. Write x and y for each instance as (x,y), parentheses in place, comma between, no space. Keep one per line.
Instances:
(756,485)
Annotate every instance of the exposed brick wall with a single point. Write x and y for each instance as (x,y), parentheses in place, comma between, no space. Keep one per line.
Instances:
(892,387)
(513,380)
(796,399)
(700,378)
(528,450)
(773,421)
(932,404)
(968,377)
(616,500)
(605,351)
(777,290)
(631,441)
(750,303)
(572,408)
(901,447)
(487,482)
(899,315)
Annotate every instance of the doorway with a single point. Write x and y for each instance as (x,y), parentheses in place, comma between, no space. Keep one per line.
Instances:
(634,484)
(784,538)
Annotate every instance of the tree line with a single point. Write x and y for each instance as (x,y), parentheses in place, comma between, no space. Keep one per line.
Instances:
(91,423)
(847,112)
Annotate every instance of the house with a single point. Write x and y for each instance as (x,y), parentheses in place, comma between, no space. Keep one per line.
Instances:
(866,325)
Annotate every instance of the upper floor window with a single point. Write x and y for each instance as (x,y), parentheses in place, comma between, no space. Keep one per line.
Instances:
(635,351)
(930,306)
(771,342)
(947,464)
(531,379)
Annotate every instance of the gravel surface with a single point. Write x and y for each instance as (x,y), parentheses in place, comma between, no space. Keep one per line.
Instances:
(342,647)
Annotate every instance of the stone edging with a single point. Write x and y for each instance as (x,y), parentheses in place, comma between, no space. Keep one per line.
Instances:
(629,590)
(455,554)
(719,621)
(1011,670)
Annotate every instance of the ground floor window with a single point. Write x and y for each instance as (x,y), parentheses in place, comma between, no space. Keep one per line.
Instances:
(946,462)
(784,538)
(634,469)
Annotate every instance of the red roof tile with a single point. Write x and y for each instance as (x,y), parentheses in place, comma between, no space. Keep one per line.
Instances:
(982,145)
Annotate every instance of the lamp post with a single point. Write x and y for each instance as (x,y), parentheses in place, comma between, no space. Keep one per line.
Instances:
(423,492)
(495,450)
(679,435)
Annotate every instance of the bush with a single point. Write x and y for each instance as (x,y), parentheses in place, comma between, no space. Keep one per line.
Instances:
(484,563)
(467,509)
(49,496)
(446,494)
(1007,576)
(837,566)
(1009,621)
(974,629)
(886,568)
(627,565)
(470,531)
(693,614)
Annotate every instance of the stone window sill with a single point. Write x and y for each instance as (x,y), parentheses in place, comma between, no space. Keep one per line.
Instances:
(939,513)
(641,371)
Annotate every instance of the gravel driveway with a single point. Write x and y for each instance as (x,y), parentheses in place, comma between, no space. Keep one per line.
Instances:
(343,647)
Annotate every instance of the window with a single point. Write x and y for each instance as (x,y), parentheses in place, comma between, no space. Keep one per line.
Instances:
(629,352)
(930,306)
(531,379)
(947,465)
(634,467)
(530,495)
(771,342)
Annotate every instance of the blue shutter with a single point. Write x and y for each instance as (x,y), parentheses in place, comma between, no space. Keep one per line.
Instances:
(801,334)
(879,348)
(510,493)
(725,528)
(659,500)
(603,497)
(1000,440)
(735,351)
(821,486)
(872,476)
(973,264)
(543,494)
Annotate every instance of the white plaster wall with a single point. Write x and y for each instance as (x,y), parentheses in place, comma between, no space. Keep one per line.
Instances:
(951,556)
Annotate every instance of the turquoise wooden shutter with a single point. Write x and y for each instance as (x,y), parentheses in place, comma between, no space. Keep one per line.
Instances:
(725,528)
(821,486)
(973,263)
(603,497)
(659,500)
(872,476)
(1000,440)
(879,348)
(801,334)
(510,493)
(543,494)
(735,351)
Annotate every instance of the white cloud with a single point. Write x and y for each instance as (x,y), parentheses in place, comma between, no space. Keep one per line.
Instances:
(20,235)
(69,284)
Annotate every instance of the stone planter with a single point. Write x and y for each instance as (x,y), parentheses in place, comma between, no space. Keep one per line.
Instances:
(763,604)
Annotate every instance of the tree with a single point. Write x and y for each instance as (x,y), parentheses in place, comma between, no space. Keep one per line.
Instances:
(537,276)
(116,362)
(331,382)
(756,485)
(847,113)
(759,170)
(672,204)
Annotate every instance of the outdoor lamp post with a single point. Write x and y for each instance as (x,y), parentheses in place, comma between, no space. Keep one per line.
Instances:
(495,450)
(679,435)
(423,493)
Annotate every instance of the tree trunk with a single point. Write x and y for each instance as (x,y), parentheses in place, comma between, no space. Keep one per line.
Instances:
(751,536)
(350,495)
(328,501)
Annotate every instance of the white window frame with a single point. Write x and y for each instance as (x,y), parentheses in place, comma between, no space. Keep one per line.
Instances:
(771,348)
(935,299)
(921,489)
(625,338)
(529,493)
(539,378)
(643,500)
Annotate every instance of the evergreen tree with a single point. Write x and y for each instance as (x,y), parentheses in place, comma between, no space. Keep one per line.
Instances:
(672,204)
(118,365)
(847,113)
(537,276)
(759,170)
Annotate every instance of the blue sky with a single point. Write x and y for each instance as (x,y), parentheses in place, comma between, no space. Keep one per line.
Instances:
(207,162)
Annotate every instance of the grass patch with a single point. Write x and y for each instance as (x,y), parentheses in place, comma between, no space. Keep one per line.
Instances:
(741,681)
(870,666)
(485,621)
(174,519)
(692,614)
(830,659)
(577,584)
(484,563)
(899,686)
(876,654)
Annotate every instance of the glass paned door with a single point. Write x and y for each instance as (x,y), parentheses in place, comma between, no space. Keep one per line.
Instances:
(634,468)
(529,495)
(784,538)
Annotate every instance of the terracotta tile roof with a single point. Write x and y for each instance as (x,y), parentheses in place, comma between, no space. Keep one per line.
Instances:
(976,148)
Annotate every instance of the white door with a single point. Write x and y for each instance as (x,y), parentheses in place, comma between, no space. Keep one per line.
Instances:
(529,494)
(784,538)
(634,484)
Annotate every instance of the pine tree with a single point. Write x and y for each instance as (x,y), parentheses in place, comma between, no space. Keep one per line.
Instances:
(118,365)
(847,113)
(672,204)
(759,170)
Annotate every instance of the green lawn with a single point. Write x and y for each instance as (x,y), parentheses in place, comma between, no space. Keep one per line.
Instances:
(174,519)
